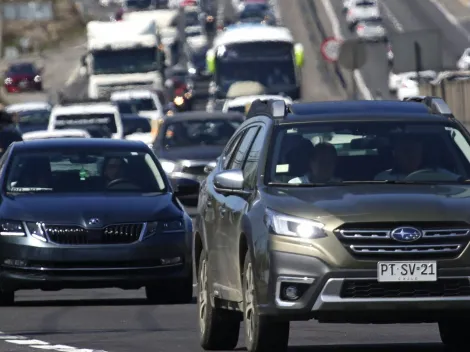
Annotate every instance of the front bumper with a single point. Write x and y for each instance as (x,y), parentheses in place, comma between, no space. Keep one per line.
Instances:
(27,263)
(324,299)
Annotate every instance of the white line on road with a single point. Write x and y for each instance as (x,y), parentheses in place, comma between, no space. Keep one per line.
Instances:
(392,17)
(41,345)
(330,12)
(451,18)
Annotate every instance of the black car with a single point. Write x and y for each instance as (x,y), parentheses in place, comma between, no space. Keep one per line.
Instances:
(188,144)
(135,124)
(91,213)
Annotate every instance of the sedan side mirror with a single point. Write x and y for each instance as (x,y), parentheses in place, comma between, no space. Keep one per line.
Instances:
(230,182)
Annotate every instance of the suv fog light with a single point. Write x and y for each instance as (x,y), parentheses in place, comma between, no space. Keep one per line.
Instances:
(291,293)
(15,262)
(169,261)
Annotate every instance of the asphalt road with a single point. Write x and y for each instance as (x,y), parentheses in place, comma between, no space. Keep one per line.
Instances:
(404,16)
(120,321)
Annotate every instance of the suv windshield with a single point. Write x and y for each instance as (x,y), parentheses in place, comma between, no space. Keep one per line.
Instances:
(87,121)
(368,151)
(199,132)
(134,106)
(34,117)
(83,171)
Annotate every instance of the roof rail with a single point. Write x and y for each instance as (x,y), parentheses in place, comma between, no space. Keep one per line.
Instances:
(63,100)
(276,109)
(436,105)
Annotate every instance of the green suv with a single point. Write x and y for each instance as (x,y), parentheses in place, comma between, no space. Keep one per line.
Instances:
(343,212)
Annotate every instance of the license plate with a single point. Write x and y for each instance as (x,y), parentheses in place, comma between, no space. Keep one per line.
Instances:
(23,84)
(406,271)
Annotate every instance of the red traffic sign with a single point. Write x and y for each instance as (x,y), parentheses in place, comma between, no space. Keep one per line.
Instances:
(330,49)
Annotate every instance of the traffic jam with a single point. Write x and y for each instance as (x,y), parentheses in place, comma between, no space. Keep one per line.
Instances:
(195,177)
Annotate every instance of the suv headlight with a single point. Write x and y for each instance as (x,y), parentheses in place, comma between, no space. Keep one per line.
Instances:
(286,225)
(168,166)
(164,227)
(11,228)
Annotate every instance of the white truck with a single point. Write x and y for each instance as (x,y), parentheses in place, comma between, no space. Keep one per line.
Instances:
(122,55)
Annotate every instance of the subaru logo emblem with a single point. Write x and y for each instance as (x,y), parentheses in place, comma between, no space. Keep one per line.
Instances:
(94,221)
(406,234)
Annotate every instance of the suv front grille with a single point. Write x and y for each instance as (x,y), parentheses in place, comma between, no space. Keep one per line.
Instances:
(375,289)
(76,235)
(440,240)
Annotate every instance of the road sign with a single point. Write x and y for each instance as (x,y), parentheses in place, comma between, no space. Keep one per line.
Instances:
(330,49)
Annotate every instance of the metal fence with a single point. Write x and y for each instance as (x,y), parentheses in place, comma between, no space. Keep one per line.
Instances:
(455,93)
(28,10)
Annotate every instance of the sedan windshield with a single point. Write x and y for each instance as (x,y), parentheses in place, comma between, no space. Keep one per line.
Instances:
(199,132)
(93,171)
(371,152)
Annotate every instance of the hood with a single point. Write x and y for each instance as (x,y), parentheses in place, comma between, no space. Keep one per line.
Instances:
(126,78)
(203,153)
(379,202)
(109,209)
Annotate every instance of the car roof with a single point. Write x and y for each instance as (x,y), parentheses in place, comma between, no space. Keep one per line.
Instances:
(105,108)
(39,105)
(202,115)
(129,94)
(56,134)
(79,143)
(242,101)
(359,106)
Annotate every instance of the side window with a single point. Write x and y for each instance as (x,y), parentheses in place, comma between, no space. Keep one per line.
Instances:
(252,161)
(228,152)
(242,150)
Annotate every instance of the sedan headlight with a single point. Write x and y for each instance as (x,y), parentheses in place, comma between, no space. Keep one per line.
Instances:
(168,166)
(12,228)
(286,225)
(164,227)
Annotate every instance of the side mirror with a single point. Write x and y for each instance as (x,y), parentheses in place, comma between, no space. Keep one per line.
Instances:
(185,187)
(230,182)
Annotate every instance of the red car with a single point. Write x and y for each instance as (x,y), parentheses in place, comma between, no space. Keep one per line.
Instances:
(24,76)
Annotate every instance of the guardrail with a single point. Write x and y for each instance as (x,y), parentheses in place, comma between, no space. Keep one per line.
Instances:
(454,88)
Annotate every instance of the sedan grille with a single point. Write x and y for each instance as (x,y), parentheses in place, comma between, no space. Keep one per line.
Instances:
(76,235)
(375,289)
(195,170)
(374,241)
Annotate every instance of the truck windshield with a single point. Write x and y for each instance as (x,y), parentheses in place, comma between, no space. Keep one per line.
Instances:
(270,63)
(125,61)
(87,121)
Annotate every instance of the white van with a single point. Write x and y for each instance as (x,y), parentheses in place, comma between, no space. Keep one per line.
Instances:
(97,118)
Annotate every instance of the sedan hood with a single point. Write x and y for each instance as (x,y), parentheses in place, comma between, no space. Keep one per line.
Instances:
(208,153)
(109,209)
(377,203)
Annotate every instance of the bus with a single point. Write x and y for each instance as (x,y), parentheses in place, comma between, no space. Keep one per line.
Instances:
(259,53)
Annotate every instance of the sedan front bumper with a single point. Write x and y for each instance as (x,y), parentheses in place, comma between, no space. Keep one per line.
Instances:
(27,263)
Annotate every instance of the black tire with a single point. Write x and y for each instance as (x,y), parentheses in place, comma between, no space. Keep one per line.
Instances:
(171,292)
(7,298)
(262,334)
(454,333)
(218,328)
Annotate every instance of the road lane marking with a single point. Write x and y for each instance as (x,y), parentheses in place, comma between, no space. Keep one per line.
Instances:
(41,345)
(451,18)
(396,23)
(330,12)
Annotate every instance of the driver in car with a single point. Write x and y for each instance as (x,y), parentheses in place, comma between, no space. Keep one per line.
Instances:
(408,158)
(113,169)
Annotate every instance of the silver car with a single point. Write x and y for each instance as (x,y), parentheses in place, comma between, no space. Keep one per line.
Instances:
(372,30)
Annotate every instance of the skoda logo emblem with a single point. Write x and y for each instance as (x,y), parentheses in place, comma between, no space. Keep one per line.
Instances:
(94,221)
(406,234)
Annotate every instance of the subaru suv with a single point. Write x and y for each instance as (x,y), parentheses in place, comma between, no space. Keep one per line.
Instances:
(343,212)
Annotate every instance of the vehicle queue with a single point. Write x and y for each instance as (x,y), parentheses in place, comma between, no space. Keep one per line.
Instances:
(291,222)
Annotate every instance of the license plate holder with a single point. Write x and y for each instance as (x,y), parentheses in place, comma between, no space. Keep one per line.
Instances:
(412,271)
